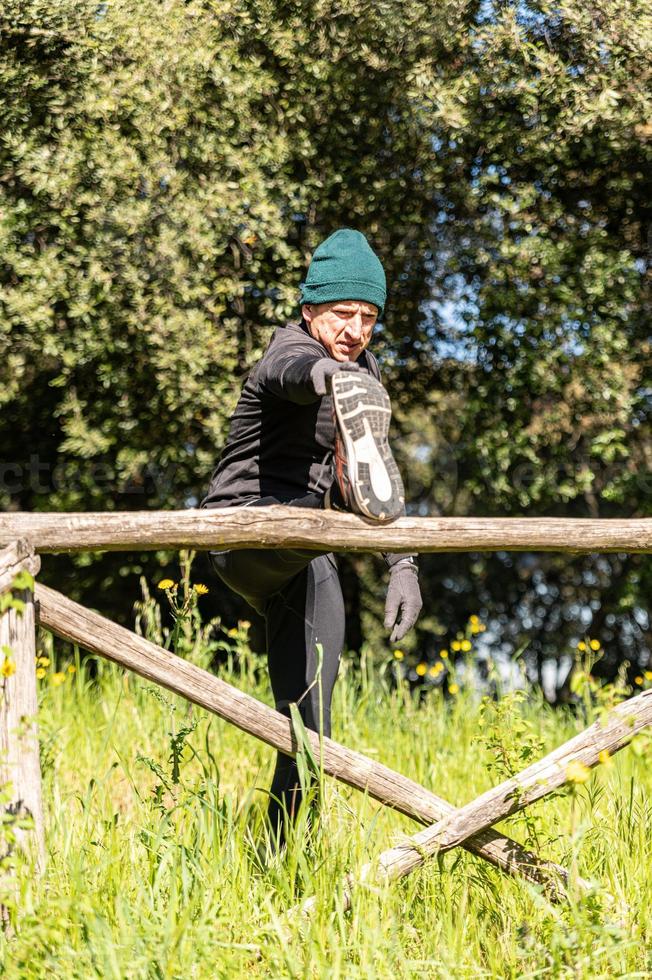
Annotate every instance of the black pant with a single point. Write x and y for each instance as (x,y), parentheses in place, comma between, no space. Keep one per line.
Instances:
(299,595)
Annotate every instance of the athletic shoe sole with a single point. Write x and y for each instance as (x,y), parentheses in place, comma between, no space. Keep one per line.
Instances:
(363,413)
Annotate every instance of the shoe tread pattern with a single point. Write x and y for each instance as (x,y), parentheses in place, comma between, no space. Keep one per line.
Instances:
(357,399)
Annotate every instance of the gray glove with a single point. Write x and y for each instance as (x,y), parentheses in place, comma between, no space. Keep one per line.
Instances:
(403,603)
(324,369)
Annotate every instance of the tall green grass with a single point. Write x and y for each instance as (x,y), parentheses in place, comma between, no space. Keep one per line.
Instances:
(154,822)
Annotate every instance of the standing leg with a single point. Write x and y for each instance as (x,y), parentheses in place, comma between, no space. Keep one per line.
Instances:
(300,597)
(308,612)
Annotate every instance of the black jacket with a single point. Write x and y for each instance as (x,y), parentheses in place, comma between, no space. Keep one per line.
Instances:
(281,437)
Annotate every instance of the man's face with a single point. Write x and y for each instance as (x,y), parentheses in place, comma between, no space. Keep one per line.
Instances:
(343,327)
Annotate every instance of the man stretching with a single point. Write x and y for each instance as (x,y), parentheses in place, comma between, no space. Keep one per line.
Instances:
(310,430)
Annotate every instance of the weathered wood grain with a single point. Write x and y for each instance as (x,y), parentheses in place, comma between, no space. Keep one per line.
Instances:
(80,625)
(19,748)
(271,527)
(535,782)
(16,557)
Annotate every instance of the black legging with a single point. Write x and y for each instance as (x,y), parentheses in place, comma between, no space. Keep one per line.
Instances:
(299,595)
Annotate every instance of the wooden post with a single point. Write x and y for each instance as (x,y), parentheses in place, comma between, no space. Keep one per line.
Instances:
(19,749)
(74,622)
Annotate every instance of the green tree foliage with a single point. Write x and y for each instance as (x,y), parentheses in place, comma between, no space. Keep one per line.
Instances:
(548,121)
(547,124)
(134,169)
(166,168)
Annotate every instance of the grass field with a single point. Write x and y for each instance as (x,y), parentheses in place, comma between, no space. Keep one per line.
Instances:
(152,858)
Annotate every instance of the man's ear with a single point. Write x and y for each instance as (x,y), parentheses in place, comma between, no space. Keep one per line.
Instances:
(307,312)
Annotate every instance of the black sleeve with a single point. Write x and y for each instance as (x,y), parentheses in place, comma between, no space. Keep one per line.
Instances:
(372,364)
(286,374)
(285,371)
(392,559)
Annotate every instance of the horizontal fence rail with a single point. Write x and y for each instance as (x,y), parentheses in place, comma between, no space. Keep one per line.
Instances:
(292,527)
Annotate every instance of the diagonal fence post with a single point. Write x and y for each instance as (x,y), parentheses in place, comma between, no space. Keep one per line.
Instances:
(510,796)
(94,632)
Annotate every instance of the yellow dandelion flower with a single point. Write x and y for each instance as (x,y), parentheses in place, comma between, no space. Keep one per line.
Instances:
(232,632)
(594,644)
(244,624)
(474,618)
(40,673)
(398,654)
(58,678)
(581,646)
(443,654)
(466,645)
(43,661)
(8,667)
(648,675)
(453,689)
(577,772)
(166,583)
(639,681)
(456,645)
(71,668)
(421,669)
(605,757)
(201,589)
(436,669)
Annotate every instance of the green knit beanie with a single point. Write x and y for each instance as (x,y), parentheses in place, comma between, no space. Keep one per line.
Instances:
(345,266)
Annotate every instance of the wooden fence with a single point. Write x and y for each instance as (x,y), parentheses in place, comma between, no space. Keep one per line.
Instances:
(471,826)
